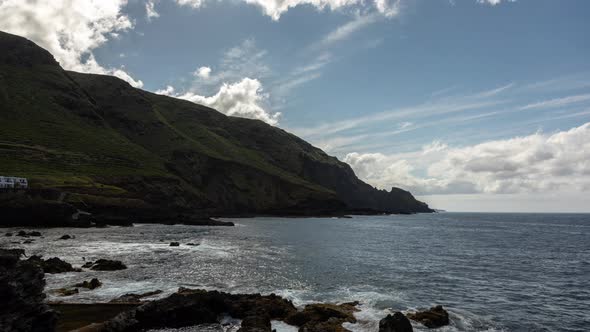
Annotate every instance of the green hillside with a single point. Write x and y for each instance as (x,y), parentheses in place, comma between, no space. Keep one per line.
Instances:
(115,148)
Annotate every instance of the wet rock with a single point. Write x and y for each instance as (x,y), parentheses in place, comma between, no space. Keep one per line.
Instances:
(134,298)
(256,323)
(174,244)
(105,265)
(92,284)
(25,234)
(323,317)
(66,291)
(13,252)
(434,317)
(21,289)
(65,237)
(52,265)
(395,323)
(190,307)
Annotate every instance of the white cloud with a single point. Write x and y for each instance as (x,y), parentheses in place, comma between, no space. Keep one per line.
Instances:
(494,2)
(150,10)
(243,60)
(191,3)
(243,99)
(203,72)
(558,102)
(535,163)
(344,31)
(70,30)
(276,8)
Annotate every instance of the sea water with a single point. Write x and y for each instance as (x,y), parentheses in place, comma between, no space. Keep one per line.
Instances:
(492,272)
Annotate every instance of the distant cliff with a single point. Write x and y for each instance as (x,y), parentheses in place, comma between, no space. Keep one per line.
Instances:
(114,149)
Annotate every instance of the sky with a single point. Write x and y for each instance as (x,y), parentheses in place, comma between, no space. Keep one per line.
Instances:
(472,105)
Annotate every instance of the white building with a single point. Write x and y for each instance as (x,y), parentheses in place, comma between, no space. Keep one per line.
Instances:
(13,182)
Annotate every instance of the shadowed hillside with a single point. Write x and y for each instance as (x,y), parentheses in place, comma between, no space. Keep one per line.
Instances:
(114,149)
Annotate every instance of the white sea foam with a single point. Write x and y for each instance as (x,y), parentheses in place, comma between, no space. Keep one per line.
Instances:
(283,327)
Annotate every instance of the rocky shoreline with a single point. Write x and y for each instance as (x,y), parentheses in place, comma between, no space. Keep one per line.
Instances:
(25,309)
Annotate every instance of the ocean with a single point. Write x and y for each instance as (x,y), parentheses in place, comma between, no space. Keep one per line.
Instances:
(491,271)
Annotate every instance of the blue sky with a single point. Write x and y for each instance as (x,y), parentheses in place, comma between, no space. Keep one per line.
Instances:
(459,101)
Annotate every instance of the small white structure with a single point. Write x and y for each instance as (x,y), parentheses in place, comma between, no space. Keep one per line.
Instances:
(13,182)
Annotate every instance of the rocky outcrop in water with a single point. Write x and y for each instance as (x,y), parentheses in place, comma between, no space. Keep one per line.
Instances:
(395,323)
(434,317)
(319,317)
(134,298)
(190,307)
(52,265)
(21,294)
(105,265)
(92,284)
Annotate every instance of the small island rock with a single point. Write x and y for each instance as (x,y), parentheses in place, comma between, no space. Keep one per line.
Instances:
(434,317)
(395,323)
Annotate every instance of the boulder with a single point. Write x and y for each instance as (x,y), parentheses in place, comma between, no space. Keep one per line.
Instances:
(92,284)
(34,233)
(8,234)
(323,317)
(105,265)
(174,244)
(395,323)
(22,307)
(28,241)
(65,237)
(434,317)
(256,323)
(52,265)
(22,233)
(192,244)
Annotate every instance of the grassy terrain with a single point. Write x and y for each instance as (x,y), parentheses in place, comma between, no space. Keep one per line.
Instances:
(109,144)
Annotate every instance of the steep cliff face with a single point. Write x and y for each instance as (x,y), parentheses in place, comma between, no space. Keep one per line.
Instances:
(109,145)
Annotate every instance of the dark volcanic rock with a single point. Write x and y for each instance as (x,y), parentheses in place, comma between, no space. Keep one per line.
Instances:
(92,284)
(134,298)
(256,323)
(395,323)
(21,291)
(434,317)
(193,307)
(52,265)
(67,291)
(174,244)
(323,317)
(105,265)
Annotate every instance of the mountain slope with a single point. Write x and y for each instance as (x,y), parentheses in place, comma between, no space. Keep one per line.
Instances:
(115,148)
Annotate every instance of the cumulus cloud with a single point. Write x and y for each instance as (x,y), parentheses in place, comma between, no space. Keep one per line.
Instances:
(203,72)
(535,163)
(150,10)
(243,99)
(70,30)
(276,8)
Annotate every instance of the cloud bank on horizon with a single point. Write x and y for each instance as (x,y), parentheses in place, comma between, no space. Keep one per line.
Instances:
(396,88)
